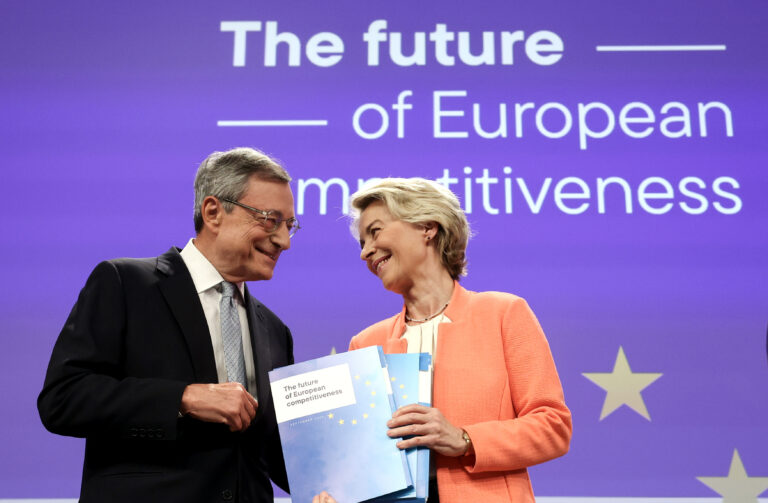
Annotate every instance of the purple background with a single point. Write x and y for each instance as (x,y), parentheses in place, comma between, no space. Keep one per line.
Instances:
(107,109)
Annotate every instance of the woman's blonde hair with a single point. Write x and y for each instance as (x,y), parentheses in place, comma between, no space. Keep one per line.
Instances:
(420,201)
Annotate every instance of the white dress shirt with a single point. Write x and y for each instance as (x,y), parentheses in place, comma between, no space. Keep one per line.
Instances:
(207,282)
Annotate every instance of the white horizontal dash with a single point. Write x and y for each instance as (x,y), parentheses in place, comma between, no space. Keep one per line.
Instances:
(657,48)
(267,123)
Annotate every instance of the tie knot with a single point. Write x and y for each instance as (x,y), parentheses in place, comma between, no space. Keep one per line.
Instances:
(228,289)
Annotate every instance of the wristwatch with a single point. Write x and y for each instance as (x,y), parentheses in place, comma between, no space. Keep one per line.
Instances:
(468,441)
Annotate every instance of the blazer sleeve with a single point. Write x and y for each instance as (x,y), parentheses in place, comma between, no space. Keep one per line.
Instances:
(85,393)
(542,427)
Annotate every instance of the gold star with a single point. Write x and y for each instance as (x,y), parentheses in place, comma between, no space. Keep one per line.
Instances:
(737,487)
(373,405)
(330,416)
(367,383)
(354,421)
(623,386)
(405,397)
(365,416)
(341,421)
(402,386)
(373,392)
(393,379)
(357,376)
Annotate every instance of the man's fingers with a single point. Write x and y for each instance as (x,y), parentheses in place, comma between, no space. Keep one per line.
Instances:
(234,423)
(245,418)
(229,403)
(247,410)
(253,401)
(250,405)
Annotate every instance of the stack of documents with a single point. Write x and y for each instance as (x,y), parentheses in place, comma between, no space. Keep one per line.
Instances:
(332,414)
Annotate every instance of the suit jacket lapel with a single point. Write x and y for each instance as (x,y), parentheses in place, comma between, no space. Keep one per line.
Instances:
(261,350)
(179,292)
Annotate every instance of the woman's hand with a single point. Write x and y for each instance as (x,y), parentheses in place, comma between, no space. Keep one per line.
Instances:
(323,497)
(429,428)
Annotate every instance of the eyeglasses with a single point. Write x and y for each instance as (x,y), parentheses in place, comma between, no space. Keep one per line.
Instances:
(268,219)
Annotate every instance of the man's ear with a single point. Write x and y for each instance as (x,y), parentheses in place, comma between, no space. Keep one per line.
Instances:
(212,212)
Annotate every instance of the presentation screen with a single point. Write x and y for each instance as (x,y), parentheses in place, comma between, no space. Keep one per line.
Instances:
(610,157)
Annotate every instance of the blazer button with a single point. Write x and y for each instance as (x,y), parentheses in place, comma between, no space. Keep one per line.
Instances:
(226,495)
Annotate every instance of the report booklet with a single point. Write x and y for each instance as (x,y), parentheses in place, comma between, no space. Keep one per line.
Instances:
(411,380)
(332,414)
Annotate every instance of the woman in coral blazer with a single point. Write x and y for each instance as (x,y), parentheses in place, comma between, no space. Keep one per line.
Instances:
(498,402)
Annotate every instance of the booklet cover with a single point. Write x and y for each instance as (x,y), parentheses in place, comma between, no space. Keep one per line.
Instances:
(332,414)
(425,398)
(411,381)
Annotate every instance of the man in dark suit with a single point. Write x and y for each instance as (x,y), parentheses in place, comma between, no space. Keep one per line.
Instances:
(162,364)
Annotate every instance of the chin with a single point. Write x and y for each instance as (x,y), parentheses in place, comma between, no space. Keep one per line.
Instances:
(391,286)
(260,276)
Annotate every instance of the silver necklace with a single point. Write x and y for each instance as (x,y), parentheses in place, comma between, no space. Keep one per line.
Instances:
(408,318)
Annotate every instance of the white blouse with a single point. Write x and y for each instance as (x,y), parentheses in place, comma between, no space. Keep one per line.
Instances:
(422,338)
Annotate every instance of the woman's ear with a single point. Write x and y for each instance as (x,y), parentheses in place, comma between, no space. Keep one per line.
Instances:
(430,230)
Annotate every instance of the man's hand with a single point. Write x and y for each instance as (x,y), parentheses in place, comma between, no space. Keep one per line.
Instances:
(227,403)
(429,427)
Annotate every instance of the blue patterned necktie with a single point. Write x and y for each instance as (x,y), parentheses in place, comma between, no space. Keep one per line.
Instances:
(231,334)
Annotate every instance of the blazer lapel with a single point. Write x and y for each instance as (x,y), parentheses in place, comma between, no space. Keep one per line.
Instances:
(179,292)
(457,310)
(395,343)
(261,350)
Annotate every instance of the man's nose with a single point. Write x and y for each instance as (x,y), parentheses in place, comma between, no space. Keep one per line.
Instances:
(281,237)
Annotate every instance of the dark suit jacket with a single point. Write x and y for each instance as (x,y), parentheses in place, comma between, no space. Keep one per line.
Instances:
(136,337)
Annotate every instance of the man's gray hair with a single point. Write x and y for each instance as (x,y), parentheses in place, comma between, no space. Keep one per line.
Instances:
(225,175)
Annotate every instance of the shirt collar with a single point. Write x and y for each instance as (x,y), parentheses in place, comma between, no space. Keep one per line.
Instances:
(204,274)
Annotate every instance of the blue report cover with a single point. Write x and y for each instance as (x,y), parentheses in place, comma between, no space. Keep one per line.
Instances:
(411,380)
(425,398)
(332,414)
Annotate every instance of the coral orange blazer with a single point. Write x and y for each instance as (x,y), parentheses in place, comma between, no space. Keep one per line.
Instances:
(494,377)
